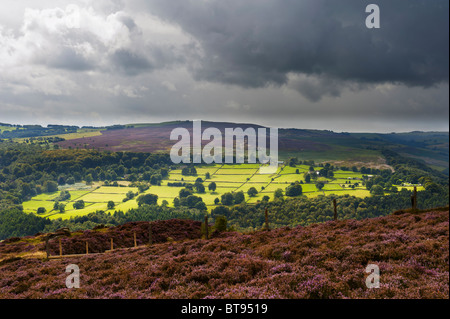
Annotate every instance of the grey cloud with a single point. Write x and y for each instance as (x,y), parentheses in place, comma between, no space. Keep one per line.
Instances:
(128,22)
(255,43)
(68,59)
(129,62)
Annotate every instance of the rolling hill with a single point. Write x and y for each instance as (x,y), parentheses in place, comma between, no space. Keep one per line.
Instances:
(432,148)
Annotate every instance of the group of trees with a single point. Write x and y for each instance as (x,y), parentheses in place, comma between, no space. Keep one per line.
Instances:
(282,212)
(28,170)
(305,211)
(189,171)
(22,131)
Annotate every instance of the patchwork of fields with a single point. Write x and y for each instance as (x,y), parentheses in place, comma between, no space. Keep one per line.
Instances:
(228,178)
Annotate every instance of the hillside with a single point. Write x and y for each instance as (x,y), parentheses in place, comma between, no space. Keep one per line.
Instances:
(325,260)
(360,149)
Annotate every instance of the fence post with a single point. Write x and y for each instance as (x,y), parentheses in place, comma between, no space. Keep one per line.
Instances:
(150,235)
(87,248)
(206,226)
(415,199)
(134,235)
(335,209)
(266,217)
(60,247)
(112,244)
(47,248)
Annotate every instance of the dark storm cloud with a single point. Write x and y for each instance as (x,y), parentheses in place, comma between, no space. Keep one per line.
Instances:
(129,62)
(68,59)
(254,43)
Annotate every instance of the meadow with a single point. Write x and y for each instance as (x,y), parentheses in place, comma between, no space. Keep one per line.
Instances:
(80,134)
(228,178)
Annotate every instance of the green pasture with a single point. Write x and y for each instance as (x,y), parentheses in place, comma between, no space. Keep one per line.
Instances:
(236,171)
(102,197)
(114,190)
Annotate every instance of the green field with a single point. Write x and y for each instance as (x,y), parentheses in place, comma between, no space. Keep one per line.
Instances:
(81,133)
(229,178)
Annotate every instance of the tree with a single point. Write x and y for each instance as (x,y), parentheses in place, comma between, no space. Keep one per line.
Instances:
(61,180)
(184,192)
(149,199)
(190,201)
(212,186)
(320,185)
(155,179)
(220,223)
(377,190)
(41,210)
(61,207)
(207,175)
(292,162)
(252,192)
(307,178)
(294,190)
(227,199)
(111,204)
(50,186)
(130,195)
(70,180)
(278,194)
(239,197)
(79,204)
(432,187)
(142,188)
(216,201)
(63,196)
(199,187)
(220,211)
(89,179)
(200,205)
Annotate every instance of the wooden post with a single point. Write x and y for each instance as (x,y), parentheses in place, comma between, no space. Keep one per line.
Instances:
(134,234)
(150,235)
(206,227)
(414,199)
(266,217)
(87,248)
(112,244)
(60,246)
(47,248)
(335,209)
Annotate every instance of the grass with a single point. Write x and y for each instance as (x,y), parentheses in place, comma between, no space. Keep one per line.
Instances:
(9,128)
(69,136)
(102,197)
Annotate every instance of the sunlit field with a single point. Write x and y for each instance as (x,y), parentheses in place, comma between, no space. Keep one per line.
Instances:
(228,178)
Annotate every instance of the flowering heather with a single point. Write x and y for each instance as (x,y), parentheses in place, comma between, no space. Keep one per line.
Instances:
(319,261)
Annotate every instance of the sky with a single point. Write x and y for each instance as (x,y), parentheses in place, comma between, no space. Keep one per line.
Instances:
(309,64)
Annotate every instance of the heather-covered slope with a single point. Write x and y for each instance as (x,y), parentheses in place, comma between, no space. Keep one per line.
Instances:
(320,261)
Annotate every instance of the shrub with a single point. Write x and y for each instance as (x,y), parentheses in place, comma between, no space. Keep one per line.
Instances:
(220,223)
